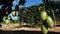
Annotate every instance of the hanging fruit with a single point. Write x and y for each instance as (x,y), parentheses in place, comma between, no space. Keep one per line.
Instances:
(46,22)
(44,29)
(7,21)
(13,13)
(43,15)
(49,22)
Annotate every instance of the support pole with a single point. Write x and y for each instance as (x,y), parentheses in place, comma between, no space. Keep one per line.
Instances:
(54,17)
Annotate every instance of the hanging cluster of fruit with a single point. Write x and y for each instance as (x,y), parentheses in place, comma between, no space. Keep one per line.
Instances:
(47,22)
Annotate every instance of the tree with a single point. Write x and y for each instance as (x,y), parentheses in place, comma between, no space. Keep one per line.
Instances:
(22,2)
(6,7)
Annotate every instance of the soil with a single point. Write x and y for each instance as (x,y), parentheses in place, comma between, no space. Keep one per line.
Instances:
(28,30)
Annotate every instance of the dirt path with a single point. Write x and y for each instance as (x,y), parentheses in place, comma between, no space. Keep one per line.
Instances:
(57,29)
(27,30)
(12,27)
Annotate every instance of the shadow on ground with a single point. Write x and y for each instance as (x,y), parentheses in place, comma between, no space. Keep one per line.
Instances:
(25,32)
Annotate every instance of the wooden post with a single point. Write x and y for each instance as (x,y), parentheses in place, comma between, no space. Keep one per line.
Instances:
(54,17)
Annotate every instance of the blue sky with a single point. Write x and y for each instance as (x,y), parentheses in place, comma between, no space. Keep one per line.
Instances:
(32,2)
(28,3)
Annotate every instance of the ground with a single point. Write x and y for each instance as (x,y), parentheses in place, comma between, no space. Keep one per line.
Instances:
(11,29)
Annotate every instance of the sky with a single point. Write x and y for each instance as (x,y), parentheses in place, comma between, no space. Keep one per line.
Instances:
(27,4)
